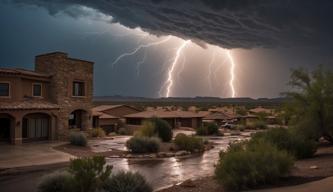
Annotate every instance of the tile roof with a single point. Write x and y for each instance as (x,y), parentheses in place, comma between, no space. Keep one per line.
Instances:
(16,71)
(218,116)
(165,114)
(28,104)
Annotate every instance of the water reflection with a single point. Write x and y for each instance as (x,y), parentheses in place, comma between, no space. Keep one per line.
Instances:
(166,172)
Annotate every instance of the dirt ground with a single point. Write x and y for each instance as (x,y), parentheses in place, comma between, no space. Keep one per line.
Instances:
(318,167)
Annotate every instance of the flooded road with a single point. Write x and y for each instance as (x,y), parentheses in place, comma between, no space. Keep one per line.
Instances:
(165,172)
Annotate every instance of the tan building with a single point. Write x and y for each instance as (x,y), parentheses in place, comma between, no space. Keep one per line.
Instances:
(174,118)
(47,102)
(108,117)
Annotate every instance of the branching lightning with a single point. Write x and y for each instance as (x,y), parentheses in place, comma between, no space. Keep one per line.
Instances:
(169,81)
(232,74)
(139,63)
(142,46)
(210,71)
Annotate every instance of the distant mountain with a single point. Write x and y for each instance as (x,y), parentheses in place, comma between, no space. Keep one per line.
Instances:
(175,100)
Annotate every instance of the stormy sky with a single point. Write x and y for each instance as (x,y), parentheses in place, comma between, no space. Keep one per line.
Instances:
(266,38)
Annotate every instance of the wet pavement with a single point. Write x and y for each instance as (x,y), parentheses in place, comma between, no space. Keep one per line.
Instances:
(159,173)
(166,172)
(29,154)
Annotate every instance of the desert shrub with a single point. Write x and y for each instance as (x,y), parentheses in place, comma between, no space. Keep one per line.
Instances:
(156,127)
(124,131)
(147,130)
(260,124)
(201,130)
(240,127)
(284,139)
(162,129)
(127,181)
(209,129)
(56,182)
(78,139)
(189,143)
(89,174)
(97,132)
(247,165)
(139,144)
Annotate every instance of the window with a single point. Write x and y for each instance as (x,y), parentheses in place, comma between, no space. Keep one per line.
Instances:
(4,89)
(37,90)
(78,88)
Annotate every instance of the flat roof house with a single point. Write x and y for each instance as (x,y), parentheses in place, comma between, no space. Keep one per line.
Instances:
(174,118)
(108,116)
(47,102)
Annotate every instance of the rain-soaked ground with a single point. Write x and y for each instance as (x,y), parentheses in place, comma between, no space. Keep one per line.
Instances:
(165,172)
(159,173)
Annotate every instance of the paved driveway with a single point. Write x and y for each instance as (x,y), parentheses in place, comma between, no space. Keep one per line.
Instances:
(37,153)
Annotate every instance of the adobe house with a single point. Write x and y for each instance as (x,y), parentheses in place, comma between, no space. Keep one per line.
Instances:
(174,118)
(108,117)
(47,102)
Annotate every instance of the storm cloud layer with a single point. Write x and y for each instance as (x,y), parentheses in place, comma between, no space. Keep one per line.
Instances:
(226,23)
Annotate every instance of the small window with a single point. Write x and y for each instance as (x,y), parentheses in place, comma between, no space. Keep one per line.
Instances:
(37,90)
(4,89)
(78,88)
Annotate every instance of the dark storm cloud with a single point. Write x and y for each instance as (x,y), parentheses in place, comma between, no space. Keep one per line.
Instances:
(227,23)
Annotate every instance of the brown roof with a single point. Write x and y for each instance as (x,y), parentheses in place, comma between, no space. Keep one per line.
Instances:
(164,114)
(218,116)
(261,110)
(102,108)
(102,115)
(28,104)
(16,71)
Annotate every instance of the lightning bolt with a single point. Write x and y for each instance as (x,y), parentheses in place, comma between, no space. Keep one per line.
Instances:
(169,81)
(143,46)
(232,74)
(138,65)
(210,70)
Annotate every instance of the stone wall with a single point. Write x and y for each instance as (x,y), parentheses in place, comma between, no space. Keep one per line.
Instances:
(64,71)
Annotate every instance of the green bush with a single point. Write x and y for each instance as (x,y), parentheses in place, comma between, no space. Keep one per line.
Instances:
(209,129)
(260,124)
(189,143)
(56,182)
(147,130)
(284,139)
(240,127)
(248,165)
(97,132)
(163,129)
(156,127)
(124,131)
(139,144)
(127,181)
(89,174)
(78,139)
(212,129)
(201,130)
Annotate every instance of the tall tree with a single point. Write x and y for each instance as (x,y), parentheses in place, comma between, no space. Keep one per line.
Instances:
(311,102)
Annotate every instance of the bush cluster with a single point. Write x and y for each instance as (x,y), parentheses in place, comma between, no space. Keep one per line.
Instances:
(57,181)
(156,127)
(78,139)
(258,124)
(92,175)
(127,181)
(97,132)
(209,129)
(294,143)
(125,131)
(189,143)
(247,165)
(140,144)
